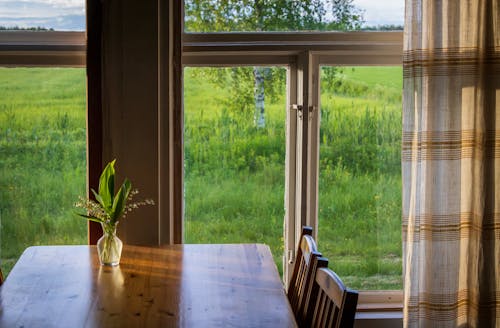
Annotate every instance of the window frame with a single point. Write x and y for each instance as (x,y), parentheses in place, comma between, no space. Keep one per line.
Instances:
(21,48)
(303,53)
(42,48)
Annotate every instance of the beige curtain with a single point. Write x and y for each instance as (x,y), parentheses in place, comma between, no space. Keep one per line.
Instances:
(451,163)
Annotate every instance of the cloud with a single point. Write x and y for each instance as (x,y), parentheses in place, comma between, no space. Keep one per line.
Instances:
(65,3)
(52,3)
(382,12)
(58,23)
(56,14)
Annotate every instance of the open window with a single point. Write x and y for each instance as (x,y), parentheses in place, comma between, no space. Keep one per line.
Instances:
(304,60)
(234,155)
(359,217)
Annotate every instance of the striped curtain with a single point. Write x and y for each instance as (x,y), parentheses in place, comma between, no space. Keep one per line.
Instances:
(451,163)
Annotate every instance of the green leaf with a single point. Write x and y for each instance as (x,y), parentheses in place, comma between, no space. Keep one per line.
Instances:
(98,198)
(121,200)
(107,185)
(91,218)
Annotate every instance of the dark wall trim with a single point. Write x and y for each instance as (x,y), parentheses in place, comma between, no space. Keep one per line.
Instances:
(94,105)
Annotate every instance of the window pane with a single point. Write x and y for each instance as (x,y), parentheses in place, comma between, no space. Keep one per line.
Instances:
(42,158)
(382,14)
(59,15)
(306,15)
(360,175)
(234,156)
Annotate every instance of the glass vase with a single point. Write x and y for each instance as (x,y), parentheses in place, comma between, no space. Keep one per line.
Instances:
(109,246)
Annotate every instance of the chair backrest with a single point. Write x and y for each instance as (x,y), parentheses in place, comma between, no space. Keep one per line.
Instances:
(331,303)
(301,316)
(303,273)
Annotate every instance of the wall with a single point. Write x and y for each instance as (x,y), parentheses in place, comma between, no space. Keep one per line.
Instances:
(130,106)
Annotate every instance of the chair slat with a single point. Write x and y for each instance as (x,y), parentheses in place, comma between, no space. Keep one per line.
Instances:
(303,274)
(320,310)
(334,304)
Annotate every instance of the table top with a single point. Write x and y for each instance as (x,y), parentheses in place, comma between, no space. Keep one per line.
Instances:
(228,285)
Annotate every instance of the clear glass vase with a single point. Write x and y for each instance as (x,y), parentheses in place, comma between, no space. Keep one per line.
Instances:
(109,246)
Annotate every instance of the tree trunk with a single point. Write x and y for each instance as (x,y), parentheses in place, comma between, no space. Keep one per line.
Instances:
(259,114)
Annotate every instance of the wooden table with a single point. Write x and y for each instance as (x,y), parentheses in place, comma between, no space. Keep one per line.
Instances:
(233,285)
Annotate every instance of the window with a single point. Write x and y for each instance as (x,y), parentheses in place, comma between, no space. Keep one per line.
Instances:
(303,53)
(55,15)
(303,135)
(42,124)
(43,158)
(234,156)
(359,219)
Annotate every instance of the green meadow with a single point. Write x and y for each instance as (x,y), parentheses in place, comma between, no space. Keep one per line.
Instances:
(234,172)
(42,158)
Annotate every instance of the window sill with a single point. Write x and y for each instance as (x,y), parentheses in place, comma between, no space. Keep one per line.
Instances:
(379,319)
(379,309)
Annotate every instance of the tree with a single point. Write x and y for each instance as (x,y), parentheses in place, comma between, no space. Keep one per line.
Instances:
(266,15)
(384,27)
(345,16)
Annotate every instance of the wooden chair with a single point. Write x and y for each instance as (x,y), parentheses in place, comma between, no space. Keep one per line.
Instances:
(303,273)
(301,316)
(330,303)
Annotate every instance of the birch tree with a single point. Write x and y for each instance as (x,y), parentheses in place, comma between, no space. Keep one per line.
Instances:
(266,15)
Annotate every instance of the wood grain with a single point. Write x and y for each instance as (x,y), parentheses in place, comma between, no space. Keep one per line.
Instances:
(175,286)
(334,305)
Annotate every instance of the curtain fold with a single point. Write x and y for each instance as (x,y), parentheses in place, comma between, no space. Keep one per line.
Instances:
(451,163)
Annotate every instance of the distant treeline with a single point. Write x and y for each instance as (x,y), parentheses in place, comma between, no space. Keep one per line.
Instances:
(17,28)
(390,27)
(387,27)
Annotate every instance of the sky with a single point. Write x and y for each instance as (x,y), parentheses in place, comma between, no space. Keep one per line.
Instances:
(381,12)
(70,14)
(56,14)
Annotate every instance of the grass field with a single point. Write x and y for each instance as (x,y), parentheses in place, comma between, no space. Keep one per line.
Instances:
(360,178)
(234,172)
(235,180)
(42,158)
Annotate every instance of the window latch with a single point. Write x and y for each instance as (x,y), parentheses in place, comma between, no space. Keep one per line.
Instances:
(298,108)
(290,256)
(312,109)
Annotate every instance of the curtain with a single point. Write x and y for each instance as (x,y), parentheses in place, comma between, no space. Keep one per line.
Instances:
(451,163)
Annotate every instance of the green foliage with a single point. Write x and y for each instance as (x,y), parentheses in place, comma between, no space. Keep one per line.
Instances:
(346,16)
(271,15)
(111,206)
(360,178)
(42,158)
(385,27)
(264,15)
(254,15)
(234,173)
